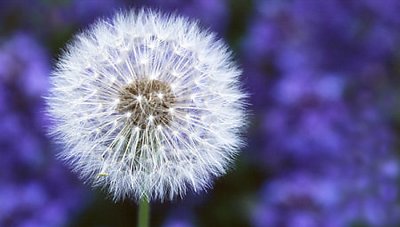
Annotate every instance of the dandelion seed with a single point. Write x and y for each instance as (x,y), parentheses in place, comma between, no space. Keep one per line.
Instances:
(151,137)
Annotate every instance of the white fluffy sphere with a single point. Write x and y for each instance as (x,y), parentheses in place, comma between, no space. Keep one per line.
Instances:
(148,105)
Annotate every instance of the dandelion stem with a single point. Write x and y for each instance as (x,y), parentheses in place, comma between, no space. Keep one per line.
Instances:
(144,213)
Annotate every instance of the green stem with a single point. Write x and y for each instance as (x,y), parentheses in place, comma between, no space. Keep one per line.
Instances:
(144,213)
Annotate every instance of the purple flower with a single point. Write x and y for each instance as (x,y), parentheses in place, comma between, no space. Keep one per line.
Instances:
(24,67)
(336,197)
(35,190)
(326,132)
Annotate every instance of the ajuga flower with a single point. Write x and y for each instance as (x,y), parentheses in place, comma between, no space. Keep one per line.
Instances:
(148,105)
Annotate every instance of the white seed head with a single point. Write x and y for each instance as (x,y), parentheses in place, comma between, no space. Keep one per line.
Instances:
(148,105)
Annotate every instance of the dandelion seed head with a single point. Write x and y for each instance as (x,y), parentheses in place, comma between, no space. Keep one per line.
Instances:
(147,105)
(141,99)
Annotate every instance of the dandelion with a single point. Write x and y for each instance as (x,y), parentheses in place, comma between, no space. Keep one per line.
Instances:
(148,106)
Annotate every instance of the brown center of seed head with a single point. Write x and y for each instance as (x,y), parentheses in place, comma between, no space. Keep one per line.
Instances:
(147,103)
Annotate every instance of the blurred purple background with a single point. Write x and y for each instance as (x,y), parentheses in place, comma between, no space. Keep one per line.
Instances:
(325,124)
